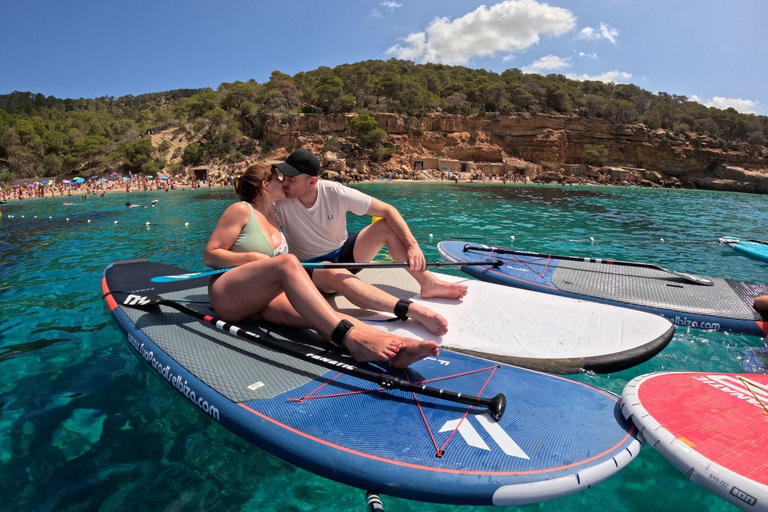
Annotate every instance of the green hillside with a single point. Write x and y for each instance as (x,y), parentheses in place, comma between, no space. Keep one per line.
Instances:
(47,136)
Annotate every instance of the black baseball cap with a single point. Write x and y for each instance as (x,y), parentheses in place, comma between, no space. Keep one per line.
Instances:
(300,161)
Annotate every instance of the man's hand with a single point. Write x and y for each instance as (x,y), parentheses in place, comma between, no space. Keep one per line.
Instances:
(416,259)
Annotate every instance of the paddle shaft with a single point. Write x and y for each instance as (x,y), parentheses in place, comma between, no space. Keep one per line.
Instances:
(326,265)
(495,405)
(688,277)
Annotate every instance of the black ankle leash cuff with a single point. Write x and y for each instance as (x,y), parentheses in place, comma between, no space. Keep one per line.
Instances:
(401,309)
(340,332)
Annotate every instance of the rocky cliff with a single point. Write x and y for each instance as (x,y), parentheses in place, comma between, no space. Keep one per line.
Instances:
(549,141)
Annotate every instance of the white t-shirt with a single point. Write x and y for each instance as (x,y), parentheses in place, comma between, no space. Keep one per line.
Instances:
(322,228)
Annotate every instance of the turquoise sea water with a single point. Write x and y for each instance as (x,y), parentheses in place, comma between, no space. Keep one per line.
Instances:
(85,426)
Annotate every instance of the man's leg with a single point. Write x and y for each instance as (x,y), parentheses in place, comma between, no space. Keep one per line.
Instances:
(373,237)
(366,296)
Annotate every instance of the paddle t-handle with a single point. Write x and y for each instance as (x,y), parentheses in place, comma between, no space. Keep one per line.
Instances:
(497,406)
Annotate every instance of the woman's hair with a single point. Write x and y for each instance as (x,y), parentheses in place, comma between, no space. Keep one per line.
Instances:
(248,186)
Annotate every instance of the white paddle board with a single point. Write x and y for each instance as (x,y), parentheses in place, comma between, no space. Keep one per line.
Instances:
(529,329)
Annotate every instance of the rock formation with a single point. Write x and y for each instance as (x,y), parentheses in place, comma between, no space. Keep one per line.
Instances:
(554,143)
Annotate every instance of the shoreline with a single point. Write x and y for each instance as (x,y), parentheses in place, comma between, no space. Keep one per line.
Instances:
(77,195)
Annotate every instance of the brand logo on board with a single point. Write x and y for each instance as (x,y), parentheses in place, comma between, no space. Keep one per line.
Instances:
(739,387)
(741,495)
(473,438)
(136,300)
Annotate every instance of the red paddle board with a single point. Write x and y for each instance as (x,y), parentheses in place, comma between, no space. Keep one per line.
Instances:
(712,427)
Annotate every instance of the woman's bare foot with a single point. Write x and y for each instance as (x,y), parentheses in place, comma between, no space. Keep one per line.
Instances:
(437,289)
(367,345)
(434,322)
(414,350)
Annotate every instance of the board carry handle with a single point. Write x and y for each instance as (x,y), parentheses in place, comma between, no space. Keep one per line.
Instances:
(325,265)
(682,275)
(495,405)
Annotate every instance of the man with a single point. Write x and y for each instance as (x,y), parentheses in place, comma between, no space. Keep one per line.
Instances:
(315,224)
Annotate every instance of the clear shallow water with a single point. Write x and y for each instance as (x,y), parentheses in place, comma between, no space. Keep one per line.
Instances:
(84,425)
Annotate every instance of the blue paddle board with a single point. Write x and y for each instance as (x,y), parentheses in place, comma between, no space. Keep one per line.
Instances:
(727,305)
(556,437)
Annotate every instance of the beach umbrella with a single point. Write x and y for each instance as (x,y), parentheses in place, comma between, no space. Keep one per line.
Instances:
(126,179)
(65,181)
(78,179)
(44,182)
(163,177)
(150,177)
(102,180)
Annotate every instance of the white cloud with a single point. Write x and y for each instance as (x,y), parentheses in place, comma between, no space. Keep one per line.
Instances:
(390,5)
(589,34)
(619,77)
(583,55)
(376,14)
(604,32)
(548,63)
(509,26)
(743,106)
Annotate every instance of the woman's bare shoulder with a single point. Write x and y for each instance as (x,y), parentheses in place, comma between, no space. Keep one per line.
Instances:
(236,213)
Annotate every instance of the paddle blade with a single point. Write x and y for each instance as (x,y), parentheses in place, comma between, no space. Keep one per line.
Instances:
(191,275)
(171,279)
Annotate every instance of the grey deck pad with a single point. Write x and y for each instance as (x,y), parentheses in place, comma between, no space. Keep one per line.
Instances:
(217,358)
(658,289)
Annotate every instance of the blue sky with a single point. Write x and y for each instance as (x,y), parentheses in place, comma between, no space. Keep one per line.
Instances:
(714,51)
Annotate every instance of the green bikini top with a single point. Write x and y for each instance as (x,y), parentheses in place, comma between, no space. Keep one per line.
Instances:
(253,239)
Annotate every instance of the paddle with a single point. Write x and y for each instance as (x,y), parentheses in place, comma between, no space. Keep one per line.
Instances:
(688,277)
(495,405)
(325,265)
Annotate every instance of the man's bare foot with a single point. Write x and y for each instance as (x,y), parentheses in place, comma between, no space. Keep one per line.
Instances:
(437,289)
(367,345)
(434,322)
(414,350)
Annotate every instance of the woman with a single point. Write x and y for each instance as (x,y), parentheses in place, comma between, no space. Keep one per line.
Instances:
(270,284)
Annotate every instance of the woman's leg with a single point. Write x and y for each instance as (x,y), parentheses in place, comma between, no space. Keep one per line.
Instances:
(362,342)
(248,289)
(254,287)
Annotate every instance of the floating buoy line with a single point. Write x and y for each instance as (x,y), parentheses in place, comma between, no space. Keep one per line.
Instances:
(83,221)
(430,236)
(591,239)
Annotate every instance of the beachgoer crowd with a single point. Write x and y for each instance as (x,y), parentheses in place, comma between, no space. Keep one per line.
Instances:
(100,186)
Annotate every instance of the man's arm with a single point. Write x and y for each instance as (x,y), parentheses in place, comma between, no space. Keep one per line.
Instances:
(398,225)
